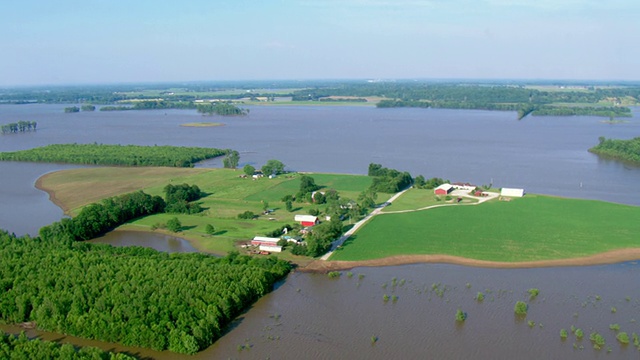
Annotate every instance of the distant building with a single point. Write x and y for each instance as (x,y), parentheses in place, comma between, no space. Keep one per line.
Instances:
(443,189)
(512,192)
(463,186)
(306,220)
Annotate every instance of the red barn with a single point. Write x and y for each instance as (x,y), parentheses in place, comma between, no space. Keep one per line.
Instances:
(306,220)
(443,189)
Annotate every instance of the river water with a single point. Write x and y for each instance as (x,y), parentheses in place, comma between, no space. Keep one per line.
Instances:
(312,316)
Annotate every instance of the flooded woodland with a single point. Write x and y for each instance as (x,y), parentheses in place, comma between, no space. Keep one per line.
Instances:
(382,312)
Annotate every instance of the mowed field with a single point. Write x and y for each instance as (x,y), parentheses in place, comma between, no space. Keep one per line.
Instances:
(526,229)
(226,196)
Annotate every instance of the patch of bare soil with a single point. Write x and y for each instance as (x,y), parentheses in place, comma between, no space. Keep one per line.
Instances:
(610,257)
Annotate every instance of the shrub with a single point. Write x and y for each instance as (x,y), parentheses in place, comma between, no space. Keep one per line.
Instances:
(579,333)
(334,274)
(597,339)
(623,337)
(209,229)
(521,308)
(533,293)
(247,215)
(480,296)
(174,224)
(614,327)
(563,334)
(461,315)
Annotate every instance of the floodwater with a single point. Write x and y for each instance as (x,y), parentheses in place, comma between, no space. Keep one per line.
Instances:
(160,242)
(312,316)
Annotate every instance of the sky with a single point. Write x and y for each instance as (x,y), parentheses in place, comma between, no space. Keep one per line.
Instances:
(58,42)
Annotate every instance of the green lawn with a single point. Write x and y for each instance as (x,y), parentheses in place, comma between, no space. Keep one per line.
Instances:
(530,228)
(414,199)
(227,195)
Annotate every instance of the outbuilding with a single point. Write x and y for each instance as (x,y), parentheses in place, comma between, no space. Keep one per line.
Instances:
(443,189)
(306,220)
(263,240)
(270,248)
(512,192)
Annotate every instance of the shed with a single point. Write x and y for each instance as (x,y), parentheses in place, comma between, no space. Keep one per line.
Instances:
(306,220)
(443,189)
(263,240)
(512,192)
(270,248)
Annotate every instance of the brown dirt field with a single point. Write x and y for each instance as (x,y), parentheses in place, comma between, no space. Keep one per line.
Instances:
(610,257)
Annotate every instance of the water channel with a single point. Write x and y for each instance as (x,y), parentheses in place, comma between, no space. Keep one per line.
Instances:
(312,316)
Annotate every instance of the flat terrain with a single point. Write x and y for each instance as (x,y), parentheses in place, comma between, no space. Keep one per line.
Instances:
(226,196)
(527,229)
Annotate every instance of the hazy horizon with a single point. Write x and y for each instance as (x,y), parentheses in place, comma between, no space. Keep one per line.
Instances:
(71,42)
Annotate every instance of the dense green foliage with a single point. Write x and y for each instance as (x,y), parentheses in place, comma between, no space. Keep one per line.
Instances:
(20,126)
(322,235)
(388,180)
(231,159)
(72,109)
(21,347)
(275,167)
(221,108)
(130,295)
(99,218)
(88,107)
(520,308)
(620,149)
(126,155)
(307,186)
(179,199)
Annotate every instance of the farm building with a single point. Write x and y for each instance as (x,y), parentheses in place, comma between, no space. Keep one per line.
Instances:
(270,248)
(443,189)
(306,220)
(263,240)
(463,186)
(510,192)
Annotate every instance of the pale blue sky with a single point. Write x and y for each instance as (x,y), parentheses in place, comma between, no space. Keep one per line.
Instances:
(115,41)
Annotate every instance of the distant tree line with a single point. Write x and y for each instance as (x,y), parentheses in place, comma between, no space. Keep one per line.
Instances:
(123,155)
(130,295)
(151,105)
(20,126)
(221,108)
(21,347)
(72,109)
(604,111)
(88,107)
(628,150)
(388,180)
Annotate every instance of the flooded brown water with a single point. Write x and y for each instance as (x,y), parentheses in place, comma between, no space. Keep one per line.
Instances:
(313,316)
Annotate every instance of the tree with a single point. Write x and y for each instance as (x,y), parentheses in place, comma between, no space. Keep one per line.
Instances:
(231,160)
(265,205)
(288,205)
(247,215)
(174,224)
(273,167)
(319,198)
(209,229)
(419,181)
(249,170)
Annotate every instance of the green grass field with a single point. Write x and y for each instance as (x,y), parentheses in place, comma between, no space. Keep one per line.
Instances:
(530,228)
(227,195)
(415,199)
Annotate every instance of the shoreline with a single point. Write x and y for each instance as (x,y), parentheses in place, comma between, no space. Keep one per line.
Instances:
(51,193)
(605,258)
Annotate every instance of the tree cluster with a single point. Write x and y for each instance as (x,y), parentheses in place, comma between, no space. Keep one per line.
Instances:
(179,199)
(88,107)
(322,235)
(307,187)
(388,180)
(99,218)
(628,150)
(221,108)
(231,159)
(434,182)
(21,347)
(122,155)
(131,295)
(20,126)
(72,109)
(273,167)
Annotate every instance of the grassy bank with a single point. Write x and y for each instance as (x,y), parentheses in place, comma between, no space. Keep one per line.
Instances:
(226,196)
(526,229)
